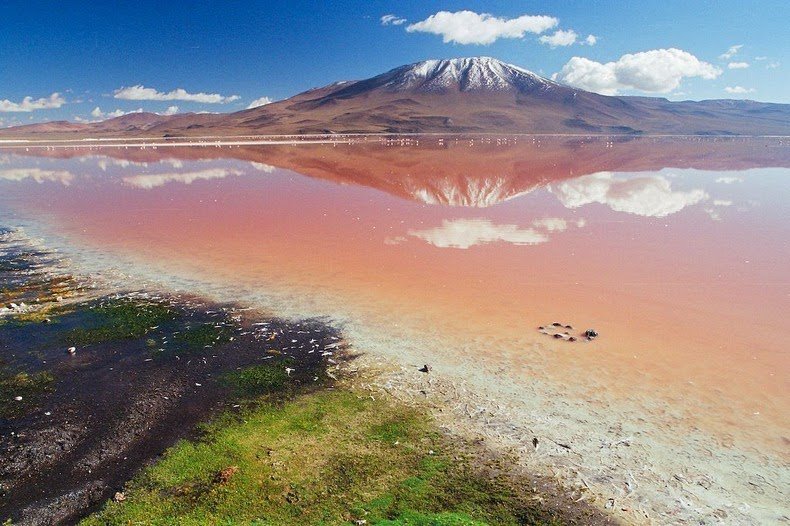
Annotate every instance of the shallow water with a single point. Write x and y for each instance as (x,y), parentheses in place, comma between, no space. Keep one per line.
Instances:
(454,250)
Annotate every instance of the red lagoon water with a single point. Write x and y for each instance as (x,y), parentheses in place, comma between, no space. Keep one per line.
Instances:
(674,250)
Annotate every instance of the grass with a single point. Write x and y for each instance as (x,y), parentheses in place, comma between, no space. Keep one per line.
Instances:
(28,386)
(121,319)
(324,458)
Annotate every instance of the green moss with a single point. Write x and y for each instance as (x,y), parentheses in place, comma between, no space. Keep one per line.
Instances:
(205,335)
(121,319)
(432,519)
(392,430)
(29,386)
(258,379)
(326,458)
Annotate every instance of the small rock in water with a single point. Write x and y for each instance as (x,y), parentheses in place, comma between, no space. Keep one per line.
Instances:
(558,336)
(72,350)
(556,324)
(425,369)
(590,334)
(572,339)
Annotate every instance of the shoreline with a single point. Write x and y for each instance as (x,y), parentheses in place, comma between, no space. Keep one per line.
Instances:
(614,453)
(58,471)
(208,141)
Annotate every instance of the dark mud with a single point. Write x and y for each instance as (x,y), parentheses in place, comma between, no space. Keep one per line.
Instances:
(116,405)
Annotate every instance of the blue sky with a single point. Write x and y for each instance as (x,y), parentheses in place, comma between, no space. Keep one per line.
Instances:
(86,52)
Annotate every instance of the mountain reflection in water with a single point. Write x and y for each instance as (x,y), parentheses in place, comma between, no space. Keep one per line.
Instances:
(456,249)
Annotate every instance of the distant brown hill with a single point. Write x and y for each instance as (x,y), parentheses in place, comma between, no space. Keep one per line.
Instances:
(471,95)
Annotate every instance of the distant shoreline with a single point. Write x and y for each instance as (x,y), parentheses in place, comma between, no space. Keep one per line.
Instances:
(292,139)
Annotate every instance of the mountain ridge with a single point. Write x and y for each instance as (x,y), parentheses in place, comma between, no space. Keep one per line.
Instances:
(461,95)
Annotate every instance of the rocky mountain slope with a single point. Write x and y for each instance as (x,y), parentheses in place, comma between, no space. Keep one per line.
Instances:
(465,95)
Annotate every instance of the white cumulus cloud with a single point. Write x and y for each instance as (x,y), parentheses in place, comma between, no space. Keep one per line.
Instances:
(150,181)
(648,196)
(737,65)
(551,224)
(561,37)
(263,167)
(654,71)
(140,92)
(97,113)
(469,27)
(261,101)
(29,104)
(38,175)
(738,90)
(729,179)
(591,40)
(107,162)
(731,52)
(394,20)
(465,233)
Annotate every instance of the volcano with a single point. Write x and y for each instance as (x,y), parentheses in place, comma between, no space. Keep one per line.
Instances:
(462,95)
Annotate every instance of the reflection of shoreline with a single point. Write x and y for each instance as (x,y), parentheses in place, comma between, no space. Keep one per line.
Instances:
(451,172)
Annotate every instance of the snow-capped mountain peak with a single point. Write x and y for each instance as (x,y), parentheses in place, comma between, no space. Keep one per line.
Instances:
(464,74)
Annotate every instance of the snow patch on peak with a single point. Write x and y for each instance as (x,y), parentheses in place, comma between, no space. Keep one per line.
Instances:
(465,74)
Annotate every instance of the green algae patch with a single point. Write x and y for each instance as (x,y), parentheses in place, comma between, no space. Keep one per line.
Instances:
(331,457)
(28,387)
(258,379)
(121,319)
(206,335)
